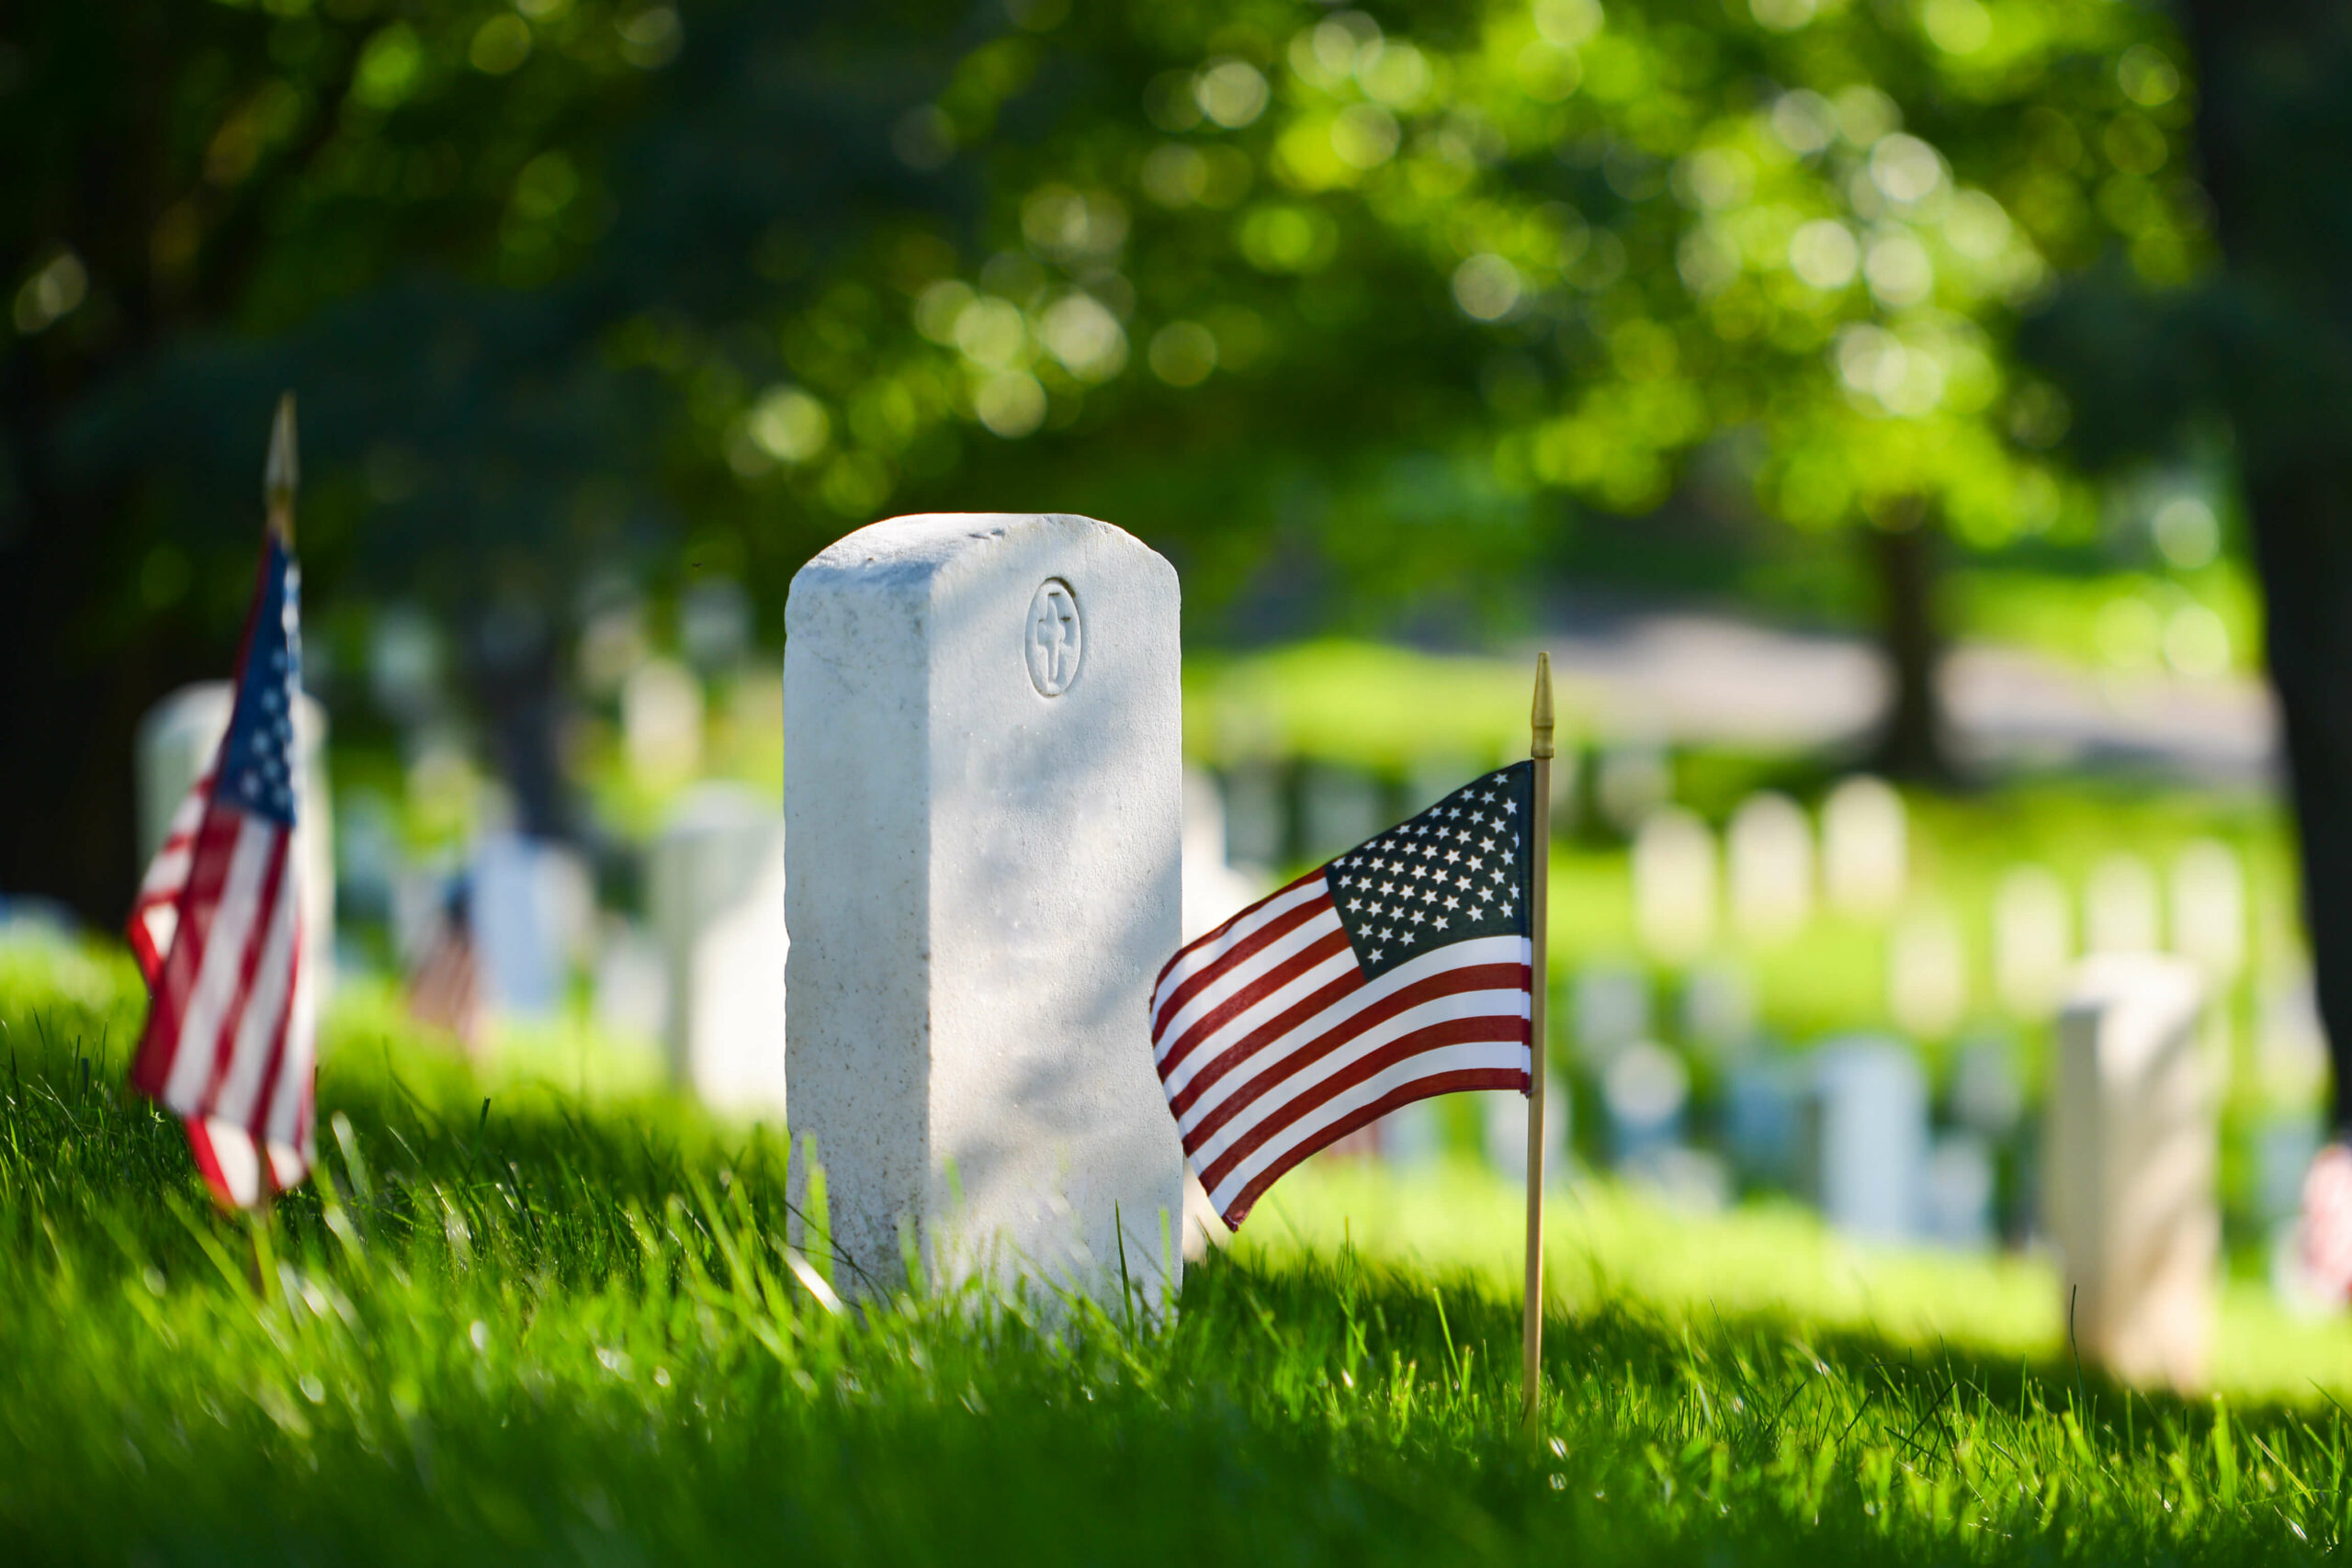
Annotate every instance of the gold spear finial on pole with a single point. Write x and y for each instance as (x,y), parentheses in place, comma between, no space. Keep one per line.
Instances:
(1540,748)
(282,473)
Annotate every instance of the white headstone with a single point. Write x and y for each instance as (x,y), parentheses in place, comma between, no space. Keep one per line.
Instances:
(1719,1009)
(1612,1009)
(1503,1119)
(661,715)
(1865,846)
(1215,889)
(1256,830)
(984,805)
(531,908)
(632,996)
(2033,938)
(1674,883)
(1866,1140)
(1632,779)
(1959,1192)
(1339,807)
(2119,912)
(2209,907)
(1927,973)
(1762,1119)
(2131,1163)
(715,895)
(1768,852)
(177,743)
(1644,1092)
(1986,1093)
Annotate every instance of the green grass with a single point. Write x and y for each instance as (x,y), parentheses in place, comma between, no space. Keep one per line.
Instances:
(558,1325)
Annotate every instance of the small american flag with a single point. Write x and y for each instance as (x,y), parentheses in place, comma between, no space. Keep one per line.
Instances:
(1399,971)
(230,1039)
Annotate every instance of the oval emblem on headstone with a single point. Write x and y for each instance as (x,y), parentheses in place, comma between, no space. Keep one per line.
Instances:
(1054,640)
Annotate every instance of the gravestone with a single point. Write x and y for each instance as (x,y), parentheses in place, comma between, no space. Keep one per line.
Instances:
(1864,1142)
(983,812)
(1632,779)
(1987,1096)
(2033,938)
(662,722)
(532,905)
(631,999)
(1958,1192)
(1215,889)
(1927,973)
(1338,806)
(1865,847)
(1644,1094)
(1674,883)
(1768,852)
(2132,1166)
(177,742)
(2209,908)
(1502,1118)
(1719,1009)
(714,894)
(1763,1119)
(2119,907)
(1613,1010)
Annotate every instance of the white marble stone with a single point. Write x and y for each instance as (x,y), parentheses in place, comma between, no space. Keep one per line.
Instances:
(177,742)
(2131,1166)
(1644,1093)
(1257,823)
(1675,885)
(1865,847)
(713,891)
(2209,908)
(1339,807)
(1719,1009)
(1927,973)
(662,722)
(1215,889)
(2121,907)
(1958,1191)
(1865,1140)
(1632,778)
(1768,854)
(2033,938)
(1612,1009)
(984,806)
(532,905)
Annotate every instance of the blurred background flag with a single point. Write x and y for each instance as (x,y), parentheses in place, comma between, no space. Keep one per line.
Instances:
(229,1044)
(1399,971)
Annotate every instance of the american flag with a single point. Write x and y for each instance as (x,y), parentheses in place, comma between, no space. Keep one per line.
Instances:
(1399,971)
(231,1034)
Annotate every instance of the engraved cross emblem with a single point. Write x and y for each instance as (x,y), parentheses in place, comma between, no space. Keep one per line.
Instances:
(1056,643)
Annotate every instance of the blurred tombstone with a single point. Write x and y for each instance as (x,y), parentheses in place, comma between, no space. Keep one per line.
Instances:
(1864,1144)
(1644,1094)
(1865,847)
(2033,938)
(1339,807)
(404,665)
(714,625)
(1988,1095)
(2119,907)
(1959,1192)
(632,984)
(532,909)
(661,718)
(368,858)
(1762,1119)
(1674,883)
(1410,1137)
(2291,1046)
(714,896)
(2209,908)
(1719,1009)
(1503,1121)
(612,640)
(1432,778)
(1612,1009)
(1214,889)
(1630,781)
(2132,1166)
(1255,832)
(1769,855)
(1927,973)
(177,743)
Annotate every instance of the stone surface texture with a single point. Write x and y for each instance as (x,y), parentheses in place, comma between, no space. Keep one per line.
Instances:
(715,893)
(983,882)
(177,742)
(2131,1164)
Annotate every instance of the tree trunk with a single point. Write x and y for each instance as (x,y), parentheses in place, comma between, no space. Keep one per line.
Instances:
(2274,138)
(1913,743)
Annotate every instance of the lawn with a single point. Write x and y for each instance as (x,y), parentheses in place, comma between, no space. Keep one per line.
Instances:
(547,1316)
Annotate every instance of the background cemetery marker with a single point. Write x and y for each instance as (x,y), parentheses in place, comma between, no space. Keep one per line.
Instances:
(714,892)
(2131,1165)
(984,819)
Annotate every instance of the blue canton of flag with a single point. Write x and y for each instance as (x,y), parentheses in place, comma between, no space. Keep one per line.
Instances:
(257,769)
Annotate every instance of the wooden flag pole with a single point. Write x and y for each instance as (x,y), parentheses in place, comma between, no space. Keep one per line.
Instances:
(1540,862)
(282,473)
